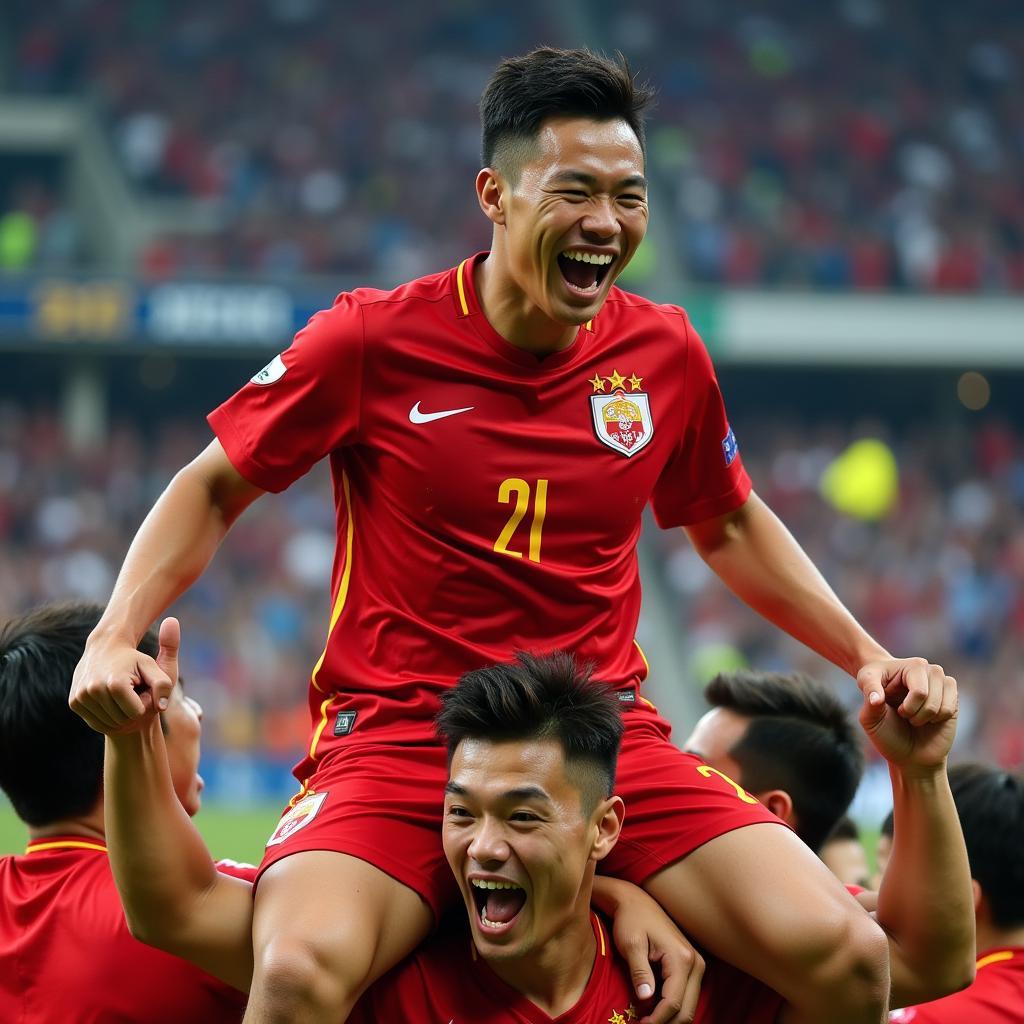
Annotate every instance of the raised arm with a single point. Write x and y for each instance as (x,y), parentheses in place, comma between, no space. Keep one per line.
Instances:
(174,897)
(761,562)
(114,684)
(925,900)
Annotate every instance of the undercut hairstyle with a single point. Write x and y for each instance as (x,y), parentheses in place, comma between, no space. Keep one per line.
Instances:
(990,805)
(525,91)
(51,762)
(538,698)
(800,740)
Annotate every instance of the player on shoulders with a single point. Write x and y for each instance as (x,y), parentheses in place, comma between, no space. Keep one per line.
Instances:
(990,803)
(494,433)
(65,950)
(788,742)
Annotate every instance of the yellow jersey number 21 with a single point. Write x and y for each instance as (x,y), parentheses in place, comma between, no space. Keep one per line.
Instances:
(520,492)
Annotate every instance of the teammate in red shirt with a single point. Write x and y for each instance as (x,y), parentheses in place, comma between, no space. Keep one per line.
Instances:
(65,950)
(789,742)
(990,803)
(495,433)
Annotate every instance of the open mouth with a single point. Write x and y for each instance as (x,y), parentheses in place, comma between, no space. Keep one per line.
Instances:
(497,904)
(584,272)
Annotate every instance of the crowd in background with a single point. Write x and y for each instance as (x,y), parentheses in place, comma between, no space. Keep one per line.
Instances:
(942,573)
(848,145)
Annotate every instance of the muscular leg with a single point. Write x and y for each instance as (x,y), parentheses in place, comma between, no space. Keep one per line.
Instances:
(759,898)
(325,925)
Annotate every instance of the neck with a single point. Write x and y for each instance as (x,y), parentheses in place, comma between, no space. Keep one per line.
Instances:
(990,938)
(89,826)
(512,315)
(554,975)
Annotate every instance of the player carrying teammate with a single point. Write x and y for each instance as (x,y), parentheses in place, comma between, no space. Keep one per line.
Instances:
(495,432)
(65,951)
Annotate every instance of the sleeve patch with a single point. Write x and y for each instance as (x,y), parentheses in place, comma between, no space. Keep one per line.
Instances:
(273,371)
(730,449)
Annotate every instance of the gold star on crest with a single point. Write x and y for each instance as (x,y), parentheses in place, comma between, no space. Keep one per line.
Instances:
(597,382)
(616,380)
(631,1012)
(616,1018)
(635,382)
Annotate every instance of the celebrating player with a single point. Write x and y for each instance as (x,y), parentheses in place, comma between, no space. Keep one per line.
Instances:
(788,742)
(65,951)
(990,803)
(495,432)
(529,813)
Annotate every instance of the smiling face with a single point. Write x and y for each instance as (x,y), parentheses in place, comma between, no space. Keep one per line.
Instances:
(522,844)
(573,217)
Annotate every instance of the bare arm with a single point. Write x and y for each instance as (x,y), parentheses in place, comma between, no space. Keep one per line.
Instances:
(754,554)
(925,900)
(173,895)
(115,685)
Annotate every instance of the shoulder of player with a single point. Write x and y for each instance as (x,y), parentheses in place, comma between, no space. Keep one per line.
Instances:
(637,308)
(432,288)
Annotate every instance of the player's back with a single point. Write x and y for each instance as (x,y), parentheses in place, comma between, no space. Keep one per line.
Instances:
(66,952)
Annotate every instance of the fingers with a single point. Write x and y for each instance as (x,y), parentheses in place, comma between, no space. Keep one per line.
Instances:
(925,700)
(166,660)
(108,705)
(682,970)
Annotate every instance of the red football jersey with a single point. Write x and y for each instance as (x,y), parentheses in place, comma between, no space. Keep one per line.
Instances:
(445,982)
(66,952)
(995,997)
(486,499)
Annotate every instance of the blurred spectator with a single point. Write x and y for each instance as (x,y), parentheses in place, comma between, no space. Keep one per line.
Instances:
(853,145)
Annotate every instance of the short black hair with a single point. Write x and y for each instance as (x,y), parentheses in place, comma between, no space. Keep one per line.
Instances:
(525,91)
(536,698)
(51,762)
(990,805)
(800,740)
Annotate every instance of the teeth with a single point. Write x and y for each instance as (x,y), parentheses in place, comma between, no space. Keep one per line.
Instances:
(491,924)
(479,884)
(587,257)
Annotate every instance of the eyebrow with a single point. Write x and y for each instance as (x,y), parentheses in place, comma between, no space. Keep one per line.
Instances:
(582,178)
(517,793)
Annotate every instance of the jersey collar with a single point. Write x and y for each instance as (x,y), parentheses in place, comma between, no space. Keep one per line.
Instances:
(64,843)
(467,306)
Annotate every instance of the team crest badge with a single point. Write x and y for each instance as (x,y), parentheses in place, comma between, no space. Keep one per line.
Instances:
(297,817)
(621,414)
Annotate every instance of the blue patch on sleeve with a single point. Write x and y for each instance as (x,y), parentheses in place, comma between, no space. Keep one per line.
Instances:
(730,449)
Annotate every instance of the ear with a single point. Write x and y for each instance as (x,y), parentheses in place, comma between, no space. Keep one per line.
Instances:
(490,194)
(980,903)
(780,803)
(607,823)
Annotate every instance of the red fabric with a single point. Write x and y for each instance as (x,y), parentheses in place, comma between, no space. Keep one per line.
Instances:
(66,953)
(426,595)
(383,803)
(445,983)
(995,997)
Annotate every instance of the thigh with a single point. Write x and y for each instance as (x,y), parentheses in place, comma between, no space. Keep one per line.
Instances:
(759,898)
(377,803)
(355,919)
(674,802)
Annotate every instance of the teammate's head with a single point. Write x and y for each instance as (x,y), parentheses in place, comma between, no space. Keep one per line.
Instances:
(788,741)
(528,807)
(51,762)
(563,153)
(990,805)
(843,854)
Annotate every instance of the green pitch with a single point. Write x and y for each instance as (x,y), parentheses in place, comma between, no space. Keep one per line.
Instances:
(238,835)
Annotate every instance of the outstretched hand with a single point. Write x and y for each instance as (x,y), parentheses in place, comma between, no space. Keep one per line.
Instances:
(116,689)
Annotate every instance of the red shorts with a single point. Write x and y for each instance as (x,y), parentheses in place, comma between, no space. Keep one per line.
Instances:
(383,803)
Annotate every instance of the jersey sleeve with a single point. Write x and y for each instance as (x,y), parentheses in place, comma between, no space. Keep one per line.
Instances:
(705,476)
(238,869)
(301,406)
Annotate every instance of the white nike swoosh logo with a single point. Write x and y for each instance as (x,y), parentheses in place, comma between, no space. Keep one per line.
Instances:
(415,416)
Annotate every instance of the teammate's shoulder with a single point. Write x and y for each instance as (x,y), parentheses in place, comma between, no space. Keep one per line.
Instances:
(432,288)
(638,308)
